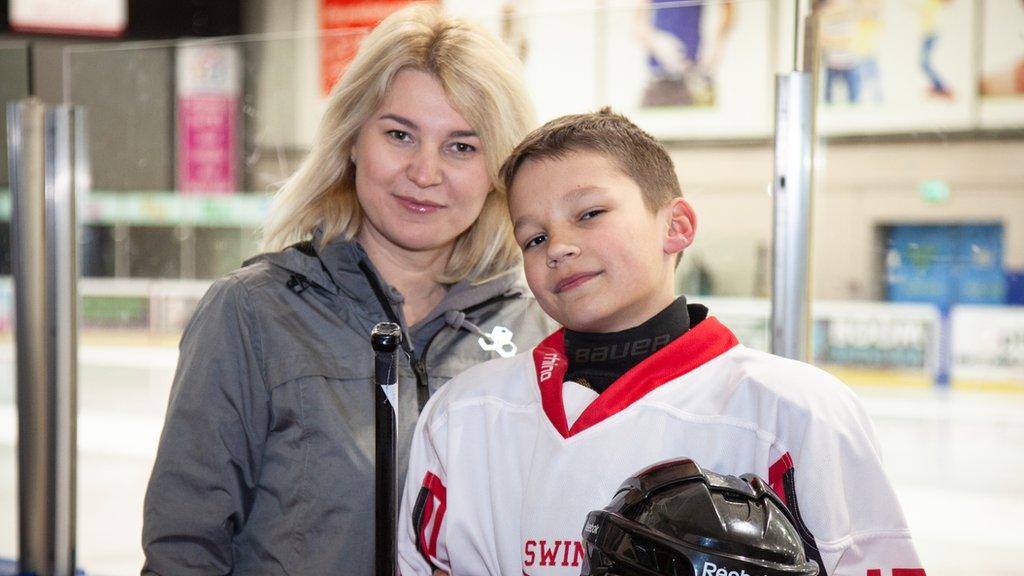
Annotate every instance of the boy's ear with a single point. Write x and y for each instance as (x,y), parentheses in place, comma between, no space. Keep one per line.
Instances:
(682,226)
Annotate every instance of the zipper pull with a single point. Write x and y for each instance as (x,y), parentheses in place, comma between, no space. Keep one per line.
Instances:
(419,368)
(297,283)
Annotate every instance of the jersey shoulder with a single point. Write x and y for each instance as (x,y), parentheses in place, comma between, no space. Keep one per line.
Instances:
(802,387)
(509,381)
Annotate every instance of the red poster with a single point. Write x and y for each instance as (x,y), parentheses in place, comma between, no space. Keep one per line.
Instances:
(344,23)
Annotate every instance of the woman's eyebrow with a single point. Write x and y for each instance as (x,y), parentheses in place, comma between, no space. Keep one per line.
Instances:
(401,120)
(413,126)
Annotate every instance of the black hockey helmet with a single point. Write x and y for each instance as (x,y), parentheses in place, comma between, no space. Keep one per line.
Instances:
(674,519)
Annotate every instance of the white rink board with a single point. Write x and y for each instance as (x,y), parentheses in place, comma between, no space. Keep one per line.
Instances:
(988,342)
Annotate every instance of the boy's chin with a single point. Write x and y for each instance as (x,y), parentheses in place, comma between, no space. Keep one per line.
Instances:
(589,325)
(585,318)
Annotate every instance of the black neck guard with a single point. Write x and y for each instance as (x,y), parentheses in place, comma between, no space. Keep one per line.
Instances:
(597,360)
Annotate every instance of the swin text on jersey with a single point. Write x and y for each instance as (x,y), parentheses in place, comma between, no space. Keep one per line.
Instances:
(553,553)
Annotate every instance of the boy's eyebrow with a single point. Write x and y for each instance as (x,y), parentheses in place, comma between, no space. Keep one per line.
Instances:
(413,126)
(520,222)
(572,196)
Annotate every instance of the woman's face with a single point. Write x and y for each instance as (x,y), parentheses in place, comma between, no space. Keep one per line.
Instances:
(421,178)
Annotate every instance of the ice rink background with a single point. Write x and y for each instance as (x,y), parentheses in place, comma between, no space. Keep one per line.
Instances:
(954,456)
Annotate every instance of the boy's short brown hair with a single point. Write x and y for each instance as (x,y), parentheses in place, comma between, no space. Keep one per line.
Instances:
(611,135)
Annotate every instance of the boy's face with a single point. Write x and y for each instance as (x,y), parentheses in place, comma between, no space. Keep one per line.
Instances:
(596,258)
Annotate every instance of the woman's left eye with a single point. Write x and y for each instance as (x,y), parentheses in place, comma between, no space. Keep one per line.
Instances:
(463,148)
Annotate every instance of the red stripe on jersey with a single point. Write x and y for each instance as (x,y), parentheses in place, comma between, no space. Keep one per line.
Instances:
(776,475)
(874,572)
(437,490)
(702,343)
(551,363)
(908,572)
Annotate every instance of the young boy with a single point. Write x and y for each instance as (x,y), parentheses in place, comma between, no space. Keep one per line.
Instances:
(510,456)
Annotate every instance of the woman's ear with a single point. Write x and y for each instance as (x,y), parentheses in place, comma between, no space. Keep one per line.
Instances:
(682,226)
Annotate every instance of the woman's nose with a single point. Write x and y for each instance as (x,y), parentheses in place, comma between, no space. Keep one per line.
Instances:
(425,168)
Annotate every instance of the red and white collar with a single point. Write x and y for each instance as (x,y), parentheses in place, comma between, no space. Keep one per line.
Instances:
(700,344)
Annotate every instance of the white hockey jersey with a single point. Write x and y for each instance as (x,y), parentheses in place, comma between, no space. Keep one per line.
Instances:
(508,459)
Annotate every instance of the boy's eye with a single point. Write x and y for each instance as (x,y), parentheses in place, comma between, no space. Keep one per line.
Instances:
(535,241)
(400,135)
(590,214)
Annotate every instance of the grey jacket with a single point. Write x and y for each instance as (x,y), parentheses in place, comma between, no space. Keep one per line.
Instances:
(265,464)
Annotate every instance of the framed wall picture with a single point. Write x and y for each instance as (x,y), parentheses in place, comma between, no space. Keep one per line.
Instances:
(896,65)
(1001,80)
(691,69)
(557,42)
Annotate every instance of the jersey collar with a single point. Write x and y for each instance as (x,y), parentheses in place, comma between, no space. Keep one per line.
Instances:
(705,341)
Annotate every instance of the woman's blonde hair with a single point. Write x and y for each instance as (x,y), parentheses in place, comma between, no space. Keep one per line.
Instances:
(482,80)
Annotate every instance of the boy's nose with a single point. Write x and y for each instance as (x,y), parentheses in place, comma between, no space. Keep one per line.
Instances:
(559,252)
(425,169)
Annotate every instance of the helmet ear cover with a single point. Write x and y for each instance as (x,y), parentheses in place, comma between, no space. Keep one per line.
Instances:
(619,545)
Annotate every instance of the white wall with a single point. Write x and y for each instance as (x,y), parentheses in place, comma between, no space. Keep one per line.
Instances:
(860,186)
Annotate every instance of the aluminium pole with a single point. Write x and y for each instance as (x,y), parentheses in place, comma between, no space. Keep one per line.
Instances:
(792,197)
(65,173)
(44,173)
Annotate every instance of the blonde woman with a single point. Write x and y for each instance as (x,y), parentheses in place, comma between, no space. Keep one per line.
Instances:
(265,465)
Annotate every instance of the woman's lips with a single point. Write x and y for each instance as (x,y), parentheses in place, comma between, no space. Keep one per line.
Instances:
(574,281)
(418,206)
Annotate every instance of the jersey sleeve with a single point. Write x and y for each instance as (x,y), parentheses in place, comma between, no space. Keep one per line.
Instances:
(421,525)
(845,506)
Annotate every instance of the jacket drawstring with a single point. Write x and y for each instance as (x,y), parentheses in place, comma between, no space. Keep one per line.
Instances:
(498,341)
(457,320)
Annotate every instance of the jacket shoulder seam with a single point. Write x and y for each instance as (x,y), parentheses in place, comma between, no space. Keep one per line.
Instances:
(257,332)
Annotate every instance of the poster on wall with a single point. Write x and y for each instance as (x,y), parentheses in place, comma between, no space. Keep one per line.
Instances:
(896,65)
(557,43)
(77,17)
(343,25)
(208,94)
(1001,83)
(690,69)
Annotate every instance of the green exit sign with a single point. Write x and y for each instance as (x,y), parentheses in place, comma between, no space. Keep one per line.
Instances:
(934,191)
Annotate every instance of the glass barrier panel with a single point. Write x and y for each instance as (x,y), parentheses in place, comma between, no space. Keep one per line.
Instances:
(917,269)
(186,140)
(918,258)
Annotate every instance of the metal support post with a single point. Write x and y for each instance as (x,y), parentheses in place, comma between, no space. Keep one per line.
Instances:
(792,191)
(792,216)
(46,164)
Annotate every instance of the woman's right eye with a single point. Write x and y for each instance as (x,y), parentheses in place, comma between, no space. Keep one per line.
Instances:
(535,241)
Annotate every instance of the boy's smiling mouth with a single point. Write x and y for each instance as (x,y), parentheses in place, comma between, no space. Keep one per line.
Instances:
(574,281)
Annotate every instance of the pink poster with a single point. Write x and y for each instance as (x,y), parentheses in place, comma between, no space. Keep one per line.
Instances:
(207,120)
(206,144)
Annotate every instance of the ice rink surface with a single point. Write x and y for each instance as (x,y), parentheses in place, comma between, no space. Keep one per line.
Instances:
(955,458)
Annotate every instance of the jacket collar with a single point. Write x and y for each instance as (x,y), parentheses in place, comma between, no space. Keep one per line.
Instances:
(335,267)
